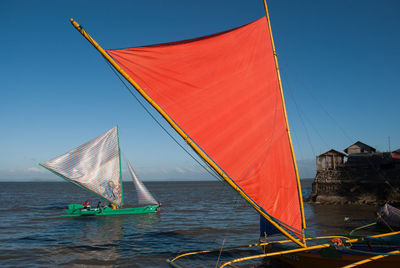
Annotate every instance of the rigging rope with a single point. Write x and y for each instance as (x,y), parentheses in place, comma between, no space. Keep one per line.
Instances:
(319,103)
(301,118)
(371,164)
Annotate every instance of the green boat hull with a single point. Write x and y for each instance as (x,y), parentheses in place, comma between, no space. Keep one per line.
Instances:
(77,210)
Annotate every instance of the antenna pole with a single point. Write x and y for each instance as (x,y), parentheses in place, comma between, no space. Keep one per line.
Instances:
(181,133)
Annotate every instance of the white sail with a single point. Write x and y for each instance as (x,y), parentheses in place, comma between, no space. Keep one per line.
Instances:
(144,196)
(94,165)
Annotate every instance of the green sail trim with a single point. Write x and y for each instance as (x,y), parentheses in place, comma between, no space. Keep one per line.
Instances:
(120,170)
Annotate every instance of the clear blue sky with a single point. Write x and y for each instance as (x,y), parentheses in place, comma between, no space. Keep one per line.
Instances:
(339,64)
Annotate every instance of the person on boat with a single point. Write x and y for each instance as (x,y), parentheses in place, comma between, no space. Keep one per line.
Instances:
(99,206)
(86,204)
(117,191)
(111,205)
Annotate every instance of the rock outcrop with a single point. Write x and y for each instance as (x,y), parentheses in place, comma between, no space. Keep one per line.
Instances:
(360,175)
(362,185)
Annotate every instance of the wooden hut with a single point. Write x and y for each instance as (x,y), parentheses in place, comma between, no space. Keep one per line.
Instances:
(330,160)
(359,148)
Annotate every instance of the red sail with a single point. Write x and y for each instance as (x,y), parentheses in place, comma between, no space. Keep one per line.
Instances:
(223,92)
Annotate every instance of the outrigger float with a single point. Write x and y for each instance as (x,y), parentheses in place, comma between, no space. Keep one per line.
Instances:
(96,167)
(223,95)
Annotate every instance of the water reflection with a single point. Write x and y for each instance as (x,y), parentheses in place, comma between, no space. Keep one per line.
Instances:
(98,240)
(195,216)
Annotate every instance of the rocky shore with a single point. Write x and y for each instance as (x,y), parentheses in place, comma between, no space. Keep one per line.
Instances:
(346,185)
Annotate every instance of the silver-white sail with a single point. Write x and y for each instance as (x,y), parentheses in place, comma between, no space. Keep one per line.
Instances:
(94,165)
(144,196)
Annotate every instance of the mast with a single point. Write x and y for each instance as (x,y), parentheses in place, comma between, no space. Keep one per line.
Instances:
(187,139)
(303,221)
(120,171)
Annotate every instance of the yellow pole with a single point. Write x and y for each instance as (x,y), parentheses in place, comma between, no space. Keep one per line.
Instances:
(180,132)
(303,220)
(218,249)
(252,245)
(371,259)
(379,235)
(276,254)
(346,240)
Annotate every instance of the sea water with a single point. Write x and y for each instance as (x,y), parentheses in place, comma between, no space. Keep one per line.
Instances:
(194,216)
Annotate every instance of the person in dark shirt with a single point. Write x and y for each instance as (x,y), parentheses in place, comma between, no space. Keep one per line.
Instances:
(99,207)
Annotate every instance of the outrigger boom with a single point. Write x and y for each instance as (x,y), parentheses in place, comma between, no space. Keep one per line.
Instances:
(346,240)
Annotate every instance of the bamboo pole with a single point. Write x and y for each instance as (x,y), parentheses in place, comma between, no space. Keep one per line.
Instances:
(252,245)
(275,254)
(346,240)
(375,236)
(371,259)
(303,219)
(319,247)
(218,249)
(181,133)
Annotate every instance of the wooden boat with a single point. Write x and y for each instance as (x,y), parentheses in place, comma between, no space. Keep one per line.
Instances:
(223,95)
(96,167)
(76,210)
